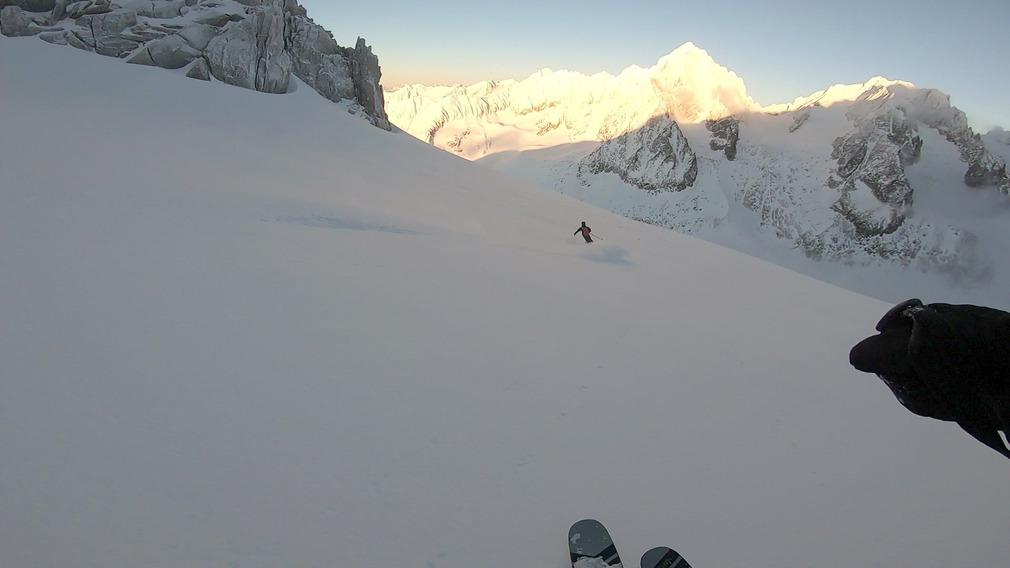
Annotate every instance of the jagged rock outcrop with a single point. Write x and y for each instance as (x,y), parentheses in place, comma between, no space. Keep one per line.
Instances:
(102,32)
(725,135)
(256,44)
(933,109)
(984,168)
(168,52)
(251,53)
(872,160)
(320,62)
(365,76)
(885,140)
(655,158)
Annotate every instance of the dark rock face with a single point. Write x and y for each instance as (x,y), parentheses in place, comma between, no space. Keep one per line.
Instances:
(256,44)
(654,158)
(251,53)
(885,141)
(365,74)
(873,157)
(725,135)
(984,168)
(318,60)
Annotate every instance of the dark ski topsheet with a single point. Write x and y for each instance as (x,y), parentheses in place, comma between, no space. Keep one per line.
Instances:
(588,538)
(663,557)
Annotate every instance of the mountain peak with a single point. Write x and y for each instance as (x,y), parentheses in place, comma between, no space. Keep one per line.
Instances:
(688,59)
(687,49)
(695,88)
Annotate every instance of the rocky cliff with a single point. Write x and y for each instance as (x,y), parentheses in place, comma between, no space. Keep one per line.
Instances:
(654,158)
(255,44)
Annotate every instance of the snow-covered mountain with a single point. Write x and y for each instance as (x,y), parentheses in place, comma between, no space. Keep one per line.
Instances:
(881,173)
(551,108)
(250,330)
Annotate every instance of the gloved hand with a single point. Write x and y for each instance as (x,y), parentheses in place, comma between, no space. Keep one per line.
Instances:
(944,361)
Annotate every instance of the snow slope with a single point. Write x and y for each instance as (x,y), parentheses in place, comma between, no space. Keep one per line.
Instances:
(252,330)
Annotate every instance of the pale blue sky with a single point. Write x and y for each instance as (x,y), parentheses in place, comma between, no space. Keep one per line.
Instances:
(781,49)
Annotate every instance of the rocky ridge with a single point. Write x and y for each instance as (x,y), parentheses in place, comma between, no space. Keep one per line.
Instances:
(255,44)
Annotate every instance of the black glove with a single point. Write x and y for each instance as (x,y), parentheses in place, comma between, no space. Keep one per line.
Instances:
(944,361)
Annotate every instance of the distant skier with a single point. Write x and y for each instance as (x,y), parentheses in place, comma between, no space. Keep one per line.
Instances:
(585,230)
(944,361)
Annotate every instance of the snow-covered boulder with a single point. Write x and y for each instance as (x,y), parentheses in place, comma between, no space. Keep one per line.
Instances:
(199,70)
(168,52)
(15,22)
(198,36)
(102,32)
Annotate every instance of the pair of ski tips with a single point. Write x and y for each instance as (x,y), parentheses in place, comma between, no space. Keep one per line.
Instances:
(590,546)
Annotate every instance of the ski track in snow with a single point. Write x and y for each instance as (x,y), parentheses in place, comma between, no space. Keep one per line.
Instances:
(334,223)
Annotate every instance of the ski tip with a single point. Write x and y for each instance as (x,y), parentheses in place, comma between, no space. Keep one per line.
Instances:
(591,546)
(663,557)
(585,524)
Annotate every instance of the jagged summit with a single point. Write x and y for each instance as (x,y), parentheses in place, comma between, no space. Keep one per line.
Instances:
(695,88)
